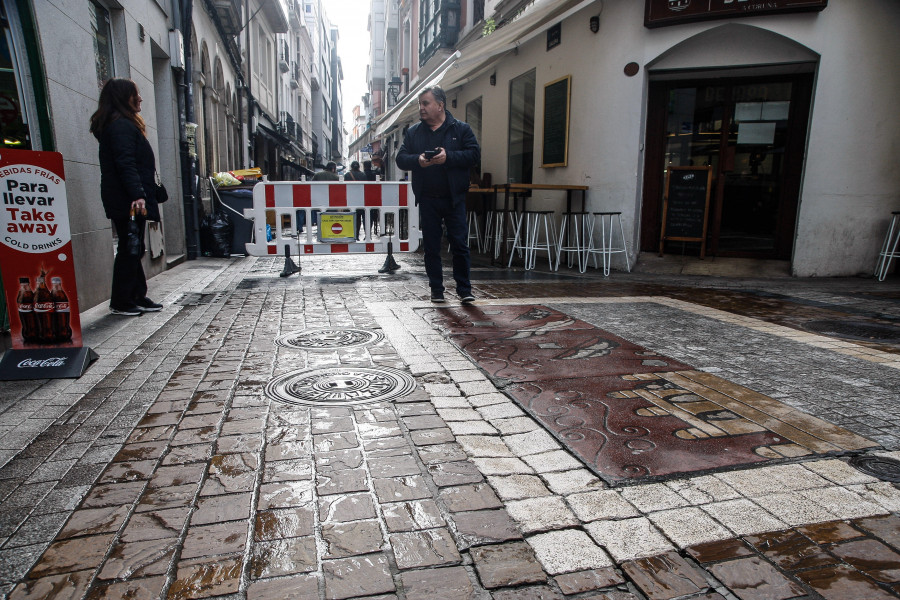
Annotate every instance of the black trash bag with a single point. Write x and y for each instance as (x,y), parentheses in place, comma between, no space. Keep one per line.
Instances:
(215,235)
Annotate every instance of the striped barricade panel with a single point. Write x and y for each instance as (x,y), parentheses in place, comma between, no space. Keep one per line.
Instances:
(388,214)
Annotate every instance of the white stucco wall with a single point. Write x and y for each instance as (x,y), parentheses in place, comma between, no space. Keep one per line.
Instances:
(850,183)
(66,42)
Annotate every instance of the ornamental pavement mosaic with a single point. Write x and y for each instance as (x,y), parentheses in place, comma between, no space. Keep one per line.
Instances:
(590,444)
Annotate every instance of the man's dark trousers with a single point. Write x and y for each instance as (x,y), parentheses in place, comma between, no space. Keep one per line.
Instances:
(432,213)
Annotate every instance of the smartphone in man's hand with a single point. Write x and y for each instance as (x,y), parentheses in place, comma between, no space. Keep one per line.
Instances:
(429,154)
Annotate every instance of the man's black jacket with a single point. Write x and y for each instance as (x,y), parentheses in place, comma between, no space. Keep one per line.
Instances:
(127,170)
(462,150)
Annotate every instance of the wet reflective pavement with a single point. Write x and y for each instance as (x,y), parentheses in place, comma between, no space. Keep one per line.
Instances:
(635,437)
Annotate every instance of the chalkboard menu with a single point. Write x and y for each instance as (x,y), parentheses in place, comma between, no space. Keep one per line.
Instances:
(556,122)
(686,206)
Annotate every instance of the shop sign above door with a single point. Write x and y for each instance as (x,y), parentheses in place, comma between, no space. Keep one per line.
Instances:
(659,13)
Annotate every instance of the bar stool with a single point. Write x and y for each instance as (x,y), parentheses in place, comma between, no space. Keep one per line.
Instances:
(573,237)
(528,237)
(606,248)
(889,247)
(494,227)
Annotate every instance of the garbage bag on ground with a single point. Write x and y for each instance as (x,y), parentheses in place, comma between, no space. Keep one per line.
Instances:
(215,235)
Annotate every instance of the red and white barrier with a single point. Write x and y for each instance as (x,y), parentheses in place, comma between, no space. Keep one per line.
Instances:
(282,203)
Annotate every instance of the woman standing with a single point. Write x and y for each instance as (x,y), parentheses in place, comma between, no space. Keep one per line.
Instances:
(127,187)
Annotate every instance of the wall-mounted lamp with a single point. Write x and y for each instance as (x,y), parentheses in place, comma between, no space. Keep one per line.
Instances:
(453,103)
(394,86)
(493,79)
(141,34)
(595,23)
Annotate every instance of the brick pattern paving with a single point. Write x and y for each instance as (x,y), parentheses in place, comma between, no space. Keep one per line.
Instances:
(191,484)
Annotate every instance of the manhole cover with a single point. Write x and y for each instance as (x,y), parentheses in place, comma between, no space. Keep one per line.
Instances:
(856,330)
(340,386)
(885,469)
(328,338)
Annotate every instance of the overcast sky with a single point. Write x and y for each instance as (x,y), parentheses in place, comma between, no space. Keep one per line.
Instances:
(351,18)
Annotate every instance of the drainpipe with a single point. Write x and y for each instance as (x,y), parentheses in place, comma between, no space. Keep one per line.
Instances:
(188,165)
(251,131)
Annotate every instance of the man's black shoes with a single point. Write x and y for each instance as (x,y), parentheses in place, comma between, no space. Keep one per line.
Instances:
(467,299)
(437,296)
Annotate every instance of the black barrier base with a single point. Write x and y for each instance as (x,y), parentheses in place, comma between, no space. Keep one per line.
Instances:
(390,265)
(46,363)
(289,267)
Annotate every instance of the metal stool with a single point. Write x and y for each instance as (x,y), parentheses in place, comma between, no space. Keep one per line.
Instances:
(606,248)
(889,247)
(530,240)
(494,226)
(474,230)
(573,236)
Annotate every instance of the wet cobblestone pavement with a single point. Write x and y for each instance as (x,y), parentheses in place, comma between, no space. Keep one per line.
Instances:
(334,435)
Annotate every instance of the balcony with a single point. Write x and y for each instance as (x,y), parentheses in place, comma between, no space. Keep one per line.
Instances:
(229,13)
(277,14)
(439,28)
(295,14)
(295,76)
(284,61)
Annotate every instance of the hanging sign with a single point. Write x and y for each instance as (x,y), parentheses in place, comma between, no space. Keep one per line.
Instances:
(38,269)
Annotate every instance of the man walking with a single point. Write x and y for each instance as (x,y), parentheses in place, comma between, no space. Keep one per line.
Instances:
(329,174)
(439,151)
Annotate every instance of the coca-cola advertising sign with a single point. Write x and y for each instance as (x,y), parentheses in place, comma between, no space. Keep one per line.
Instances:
(36,255)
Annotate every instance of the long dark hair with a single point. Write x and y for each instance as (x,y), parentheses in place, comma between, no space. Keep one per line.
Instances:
(115,103)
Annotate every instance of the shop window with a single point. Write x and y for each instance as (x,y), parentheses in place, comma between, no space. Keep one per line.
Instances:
(521,128)
(103,47)
(12,118)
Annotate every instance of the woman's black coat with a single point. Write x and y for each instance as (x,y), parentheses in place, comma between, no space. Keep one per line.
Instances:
(127,170)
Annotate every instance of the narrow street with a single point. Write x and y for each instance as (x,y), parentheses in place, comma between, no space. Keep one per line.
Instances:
(334,434)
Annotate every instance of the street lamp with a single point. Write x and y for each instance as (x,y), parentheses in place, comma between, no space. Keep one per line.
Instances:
(394,87)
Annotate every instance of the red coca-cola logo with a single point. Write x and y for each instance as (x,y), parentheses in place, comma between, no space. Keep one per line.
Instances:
(56,361)
(26,307)
(43,306)
(62,307)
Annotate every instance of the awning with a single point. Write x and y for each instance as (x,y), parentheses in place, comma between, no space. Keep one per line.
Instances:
(408,108)
(484,52)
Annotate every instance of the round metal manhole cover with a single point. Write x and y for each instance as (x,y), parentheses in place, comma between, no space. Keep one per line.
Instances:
(856,330)
(885,469)
(328,338)
(340,386)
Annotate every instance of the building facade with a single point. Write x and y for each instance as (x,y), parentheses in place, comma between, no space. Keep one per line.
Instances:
(227,84)
(787,103)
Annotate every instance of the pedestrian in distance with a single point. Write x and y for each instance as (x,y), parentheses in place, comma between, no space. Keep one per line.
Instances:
(367,169)
(354,174)
(329,174)
(438,152)
(127,189)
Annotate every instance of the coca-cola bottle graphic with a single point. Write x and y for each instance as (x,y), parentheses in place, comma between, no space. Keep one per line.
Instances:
(43,310)
(25,300)
(61,328)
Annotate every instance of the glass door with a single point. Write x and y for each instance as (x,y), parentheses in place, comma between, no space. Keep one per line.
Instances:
(751,132)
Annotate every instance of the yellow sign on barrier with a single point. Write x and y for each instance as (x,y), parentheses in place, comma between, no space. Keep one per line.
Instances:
(337,227)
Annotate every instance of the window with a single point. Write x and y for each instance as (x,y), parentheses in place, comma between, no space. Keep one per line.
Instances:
(103,52)
(521,128)
(473,117)
(14,126)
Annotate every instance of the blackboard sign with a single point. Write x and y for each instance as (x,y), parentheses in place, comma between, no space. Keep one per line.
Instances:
(556,122)
(686,206)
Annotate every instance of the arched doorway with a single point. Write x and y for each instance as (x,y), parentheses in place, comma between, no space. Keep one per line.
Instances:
(736,98)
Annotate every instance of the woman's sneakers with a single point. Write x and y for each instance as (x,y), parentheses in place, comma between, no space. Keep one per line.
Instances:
(147,305)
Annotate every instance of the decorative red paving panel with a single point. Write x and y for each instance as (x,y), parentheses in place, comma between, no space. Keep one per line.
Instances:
(627,412)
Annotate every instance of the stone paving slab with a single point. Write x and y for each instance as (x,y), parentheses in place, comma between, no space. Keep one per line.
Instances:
(197,485)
